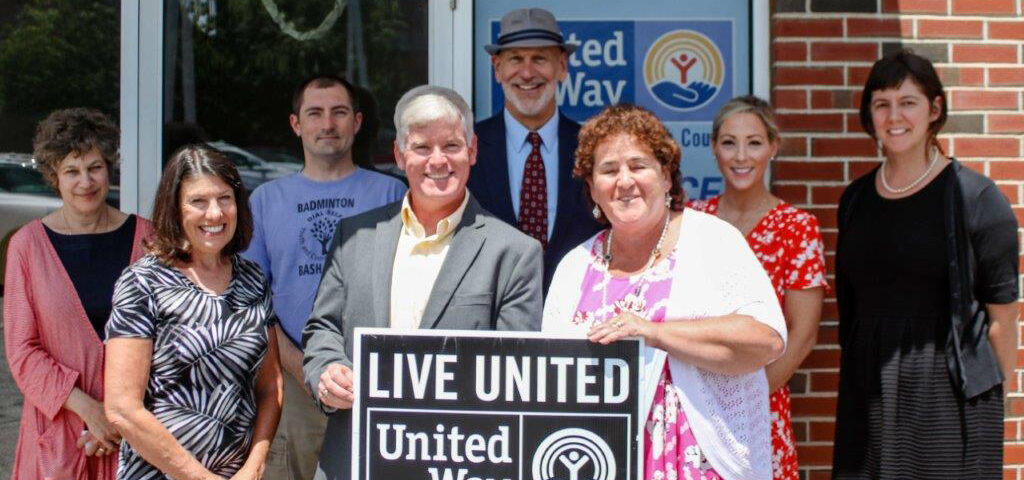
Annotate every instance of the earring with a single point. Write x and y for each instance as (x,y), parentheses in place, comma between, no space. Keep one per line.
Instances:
(668,200)
(596,212)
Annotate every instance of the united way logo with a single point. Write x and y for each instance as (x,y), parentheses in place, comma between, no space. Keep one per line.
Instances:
(573,454)
(684,70)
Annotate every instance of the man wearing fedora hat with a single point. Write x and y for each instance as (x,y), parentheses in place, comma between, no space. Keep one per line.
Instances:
(526,151)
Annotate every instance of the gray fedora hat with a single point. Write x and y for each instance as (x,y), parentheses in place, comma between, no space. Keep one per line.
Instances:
(529,27)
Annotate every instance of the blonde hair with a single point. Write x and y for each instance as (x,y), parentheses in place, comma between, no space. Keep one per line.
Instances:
(747,104)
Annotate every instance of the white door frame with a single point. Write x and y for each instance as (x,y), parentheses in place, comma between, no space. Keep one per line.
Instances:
(141,103)
(450,36)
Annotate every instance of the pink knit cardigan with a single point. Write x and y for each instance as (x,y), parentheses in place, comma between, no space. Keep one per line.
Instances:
(52,347)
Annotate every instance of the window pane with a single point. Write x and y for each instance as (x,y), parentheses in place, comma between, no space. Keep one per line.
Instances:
(53,54)
(231,67)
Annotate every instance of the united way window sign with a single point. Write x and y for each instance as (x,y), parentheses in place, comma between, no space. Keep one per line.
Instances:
(448,405)
(681,60)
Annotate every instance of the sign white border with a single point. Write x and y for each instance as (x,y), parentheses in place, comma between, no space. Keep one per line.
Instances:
(357,388)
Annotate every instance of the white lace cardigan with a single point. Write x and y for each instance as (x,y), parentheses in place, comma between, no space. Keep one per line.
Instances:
(716,274)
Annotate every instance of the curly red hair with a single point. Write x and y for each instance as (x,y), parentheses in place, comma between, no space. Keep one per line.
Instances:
(646,129)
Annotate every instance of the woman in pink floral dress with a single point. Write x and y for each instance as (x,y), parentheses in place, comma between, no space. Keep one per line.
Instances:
(784,238)
(687,284)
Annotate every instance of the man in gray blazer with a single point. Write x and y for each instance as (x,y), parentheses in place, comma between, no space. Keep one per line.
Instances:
(434,260)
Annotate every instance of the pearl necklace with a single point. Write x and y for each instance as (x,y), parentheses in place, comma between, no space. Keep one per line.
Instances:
(885,184)
(634,301)
(607,247)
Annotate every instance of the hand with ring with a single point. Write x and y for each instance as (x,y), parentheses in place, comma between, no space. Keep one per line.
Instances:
(626,324)
(92,445)
(335,388)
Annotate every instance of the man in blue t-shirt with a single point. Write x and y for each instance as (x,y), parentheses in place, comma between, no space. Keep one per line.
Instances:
(293,223)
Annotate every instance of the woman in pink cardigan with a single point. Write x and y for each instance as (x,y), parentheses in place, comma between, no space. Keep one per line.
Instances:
(59,283)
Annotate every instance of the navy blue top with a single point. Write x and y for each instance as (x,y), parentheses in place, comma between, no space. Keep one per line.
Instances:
(94,261)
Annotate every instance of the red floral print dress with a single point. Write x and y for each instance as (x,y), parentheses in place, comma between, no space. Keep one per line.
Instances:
(788,244)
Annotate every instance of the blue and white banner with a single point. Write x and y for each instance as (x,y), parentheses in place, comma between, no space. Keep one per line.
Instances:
(682,65)
(677,69)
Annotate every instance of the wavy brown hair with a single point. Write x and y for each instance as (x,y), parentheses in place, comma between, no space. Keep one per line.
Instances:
(74,131)
(646,129)
(169,242)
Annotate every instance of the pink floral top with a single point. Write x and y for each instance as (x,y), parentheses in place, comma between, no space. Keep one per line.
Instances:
(670,448)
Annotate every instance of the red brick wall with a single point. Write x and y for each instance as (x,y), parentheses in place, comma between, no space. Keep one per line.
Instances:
(821,53)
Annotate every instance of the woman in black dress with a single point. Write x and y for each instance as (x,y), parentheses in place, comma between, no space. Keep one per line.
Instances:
(926,279)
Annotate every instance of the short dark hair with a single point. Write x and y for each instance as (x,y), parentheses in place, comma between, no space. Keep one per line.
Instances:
(646,129)
(323,80)
(169,242)
(890,72)
(77,131)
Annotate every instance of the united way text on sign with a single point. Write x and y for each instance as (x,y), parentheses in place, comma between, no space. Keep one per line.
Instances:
(445,405)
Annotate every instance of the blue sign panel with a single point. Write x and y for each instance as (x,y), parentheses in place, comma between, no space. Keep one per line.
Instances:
(686,68)
(683,66)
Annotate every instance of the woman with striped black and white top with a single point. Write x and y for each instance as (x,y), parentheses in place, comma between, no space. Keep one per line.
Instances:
(192,378)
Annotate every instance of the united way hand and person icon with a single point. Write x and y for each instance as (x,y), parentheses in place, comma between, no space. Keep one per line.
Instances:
(573,454)
(684,69)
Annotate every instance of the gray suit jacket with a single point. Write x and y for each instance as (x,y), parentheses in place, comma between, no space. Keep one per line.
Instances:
(490,280)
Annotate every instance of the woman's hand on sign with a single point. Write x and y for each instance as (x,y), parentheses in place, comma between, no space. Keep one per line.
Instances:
(625,324)
(335,388)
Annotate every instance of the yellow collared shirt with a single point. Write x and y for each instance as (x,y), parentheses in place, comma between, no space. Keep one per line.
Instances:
(418,260)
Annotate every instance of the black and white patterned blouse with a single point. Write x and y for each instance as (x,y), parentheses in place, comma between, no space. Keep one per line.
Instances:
(207,351)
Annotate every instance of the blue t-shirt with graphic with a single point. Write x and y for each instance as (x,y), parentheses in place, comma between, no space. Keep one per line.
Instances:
(293,224)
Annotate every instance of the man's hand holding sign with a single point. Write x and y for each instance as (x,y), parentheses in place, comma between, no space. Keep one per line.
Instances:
(335,389)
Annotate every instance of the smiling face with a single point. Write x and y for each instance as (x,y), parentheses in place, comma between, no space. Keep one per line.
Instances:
(628,183)
(529,77)
(326,123)
(743,150)
(208,214)
(83,181)
(902,116)
(436,161)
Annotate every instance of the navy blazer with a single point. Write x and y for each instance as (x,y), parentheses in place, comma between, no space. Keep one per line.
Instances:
(488,180)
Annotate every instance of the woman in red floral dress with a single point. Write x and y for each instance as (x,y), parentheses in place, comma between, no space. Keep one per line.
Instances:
(784,238)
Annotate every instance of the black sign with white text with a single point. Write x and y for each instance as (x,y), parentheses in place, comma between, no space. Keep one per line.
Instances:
(462,405)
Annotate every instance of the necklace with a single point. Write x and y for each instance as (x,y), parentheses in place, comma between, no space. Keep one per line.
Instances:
(634,300)
(101,224)
(655,253)
(931,164)
(762,209)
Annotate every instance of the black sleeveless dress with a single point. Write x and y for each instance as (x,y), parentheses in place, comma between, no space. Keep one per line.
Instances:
(899,414)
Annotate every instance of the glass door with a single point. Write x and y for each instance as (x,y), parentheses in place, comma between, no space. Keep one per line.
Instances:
(223,71)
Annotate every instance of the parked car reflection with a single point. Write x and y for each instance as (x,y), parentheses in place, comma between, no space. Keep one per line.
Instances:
(254,170)
(24,196)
